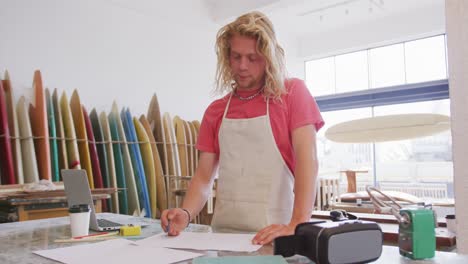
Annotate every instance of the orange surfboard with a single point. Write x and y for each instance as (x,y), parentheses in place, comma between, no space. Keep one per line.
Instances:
(40,128)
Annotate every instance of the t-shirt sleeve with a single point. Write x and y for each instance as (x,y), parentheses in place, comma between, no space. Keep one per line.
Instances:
(206,137)
(303,108)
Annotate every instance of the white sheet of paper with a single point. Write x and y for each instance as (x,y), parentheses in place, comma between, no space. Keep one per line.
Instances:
(116,251)
(203,241)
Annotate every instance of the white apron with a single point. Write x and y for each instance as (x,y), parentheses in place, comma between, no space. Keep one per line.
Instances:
(255,186)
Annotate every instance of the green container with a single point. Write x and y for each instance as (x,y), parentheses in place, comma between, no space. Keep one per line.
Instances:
(416,238)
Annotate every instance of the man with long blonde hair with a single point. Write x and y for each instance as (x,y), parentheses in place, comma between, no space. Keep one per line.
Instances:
(259,138)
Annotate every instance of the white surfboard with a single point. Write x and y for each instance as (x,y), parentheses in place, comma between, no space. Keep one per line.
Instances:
(388,128)
(28,153)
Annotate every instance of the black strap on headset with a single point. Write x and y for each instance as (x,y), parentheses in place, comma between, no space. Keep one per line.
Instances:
(341,215)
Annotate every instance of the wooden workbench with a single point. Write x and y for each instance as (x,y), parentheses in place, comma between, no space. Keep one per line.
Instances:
(23,206)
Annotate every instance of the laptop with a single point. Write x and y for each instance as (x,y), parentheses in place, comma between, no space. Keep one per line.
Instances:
(78,192)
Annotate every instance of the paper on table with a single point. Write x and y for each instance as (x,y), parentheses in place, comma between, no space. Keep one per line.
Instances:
(203,241)
(116,251)
(241,260)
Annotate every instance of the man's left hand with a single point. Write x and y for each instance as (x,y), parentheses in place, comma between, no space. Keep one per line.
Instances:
(269,233)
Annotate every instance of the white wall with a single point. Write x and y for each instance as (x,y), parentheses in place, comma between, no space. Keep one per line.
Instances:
(110,50)
(294,63)
(457,40)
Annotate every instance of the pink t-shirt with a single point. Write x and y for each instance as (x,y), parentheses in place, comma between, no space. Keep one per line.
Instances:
(296,109)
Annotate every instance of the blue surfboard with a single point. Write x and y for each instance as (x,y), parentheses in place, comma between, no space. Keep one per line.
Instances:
(137,161)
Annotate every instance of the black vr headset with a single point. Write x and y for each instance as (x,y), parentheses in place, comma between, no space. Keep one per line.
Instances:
(343,241)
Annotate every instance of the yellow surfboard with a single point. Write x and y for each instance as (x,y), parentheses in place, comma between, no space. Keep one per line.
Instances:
(154,117)
(14,129)
(189,145)
(73,155)
(82,138)
(161,194)
(133,202)
(196,124)
(148,164)
(110,160)
(194,143)
(61,142)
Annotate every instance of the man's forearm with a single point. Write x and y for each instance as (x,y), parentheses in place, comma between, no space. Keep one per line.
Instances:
(197,195)
(304,193)
(305,173)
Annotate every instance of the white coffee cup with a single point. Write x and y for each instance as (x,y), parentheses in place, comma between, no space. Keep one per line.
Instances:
(451,224)
(79,219)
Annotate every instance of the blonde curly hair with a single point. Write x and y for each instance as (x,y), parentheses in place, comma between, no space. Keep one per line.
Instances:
(256,25)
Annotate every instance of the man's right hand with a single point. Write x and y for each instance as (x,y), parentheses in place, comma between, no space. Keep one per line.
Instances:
(174,220)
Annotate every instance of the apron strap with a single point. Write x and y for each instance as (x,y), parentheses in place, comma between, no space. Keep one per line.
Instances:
(268,107)
(227,106)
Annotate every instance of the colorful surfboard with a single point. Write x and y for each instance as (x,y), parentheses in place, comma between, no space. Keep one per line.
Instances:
(119,165)
(148,164)
(28,152)
(54,164)
(6,154)
(137,162)
(82,138)
(97,177)
(133,202)
(60,132)
(73,156)
(107,138)
(40,129)
(161,193)
(14,129)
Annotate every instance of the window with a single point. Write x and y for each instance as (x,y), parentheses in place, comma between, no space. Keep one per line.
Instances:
(321,76)
(351,72)
(387,66)
(407,77)
(334,157)
(426,159)
(410,62)
(425,60)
